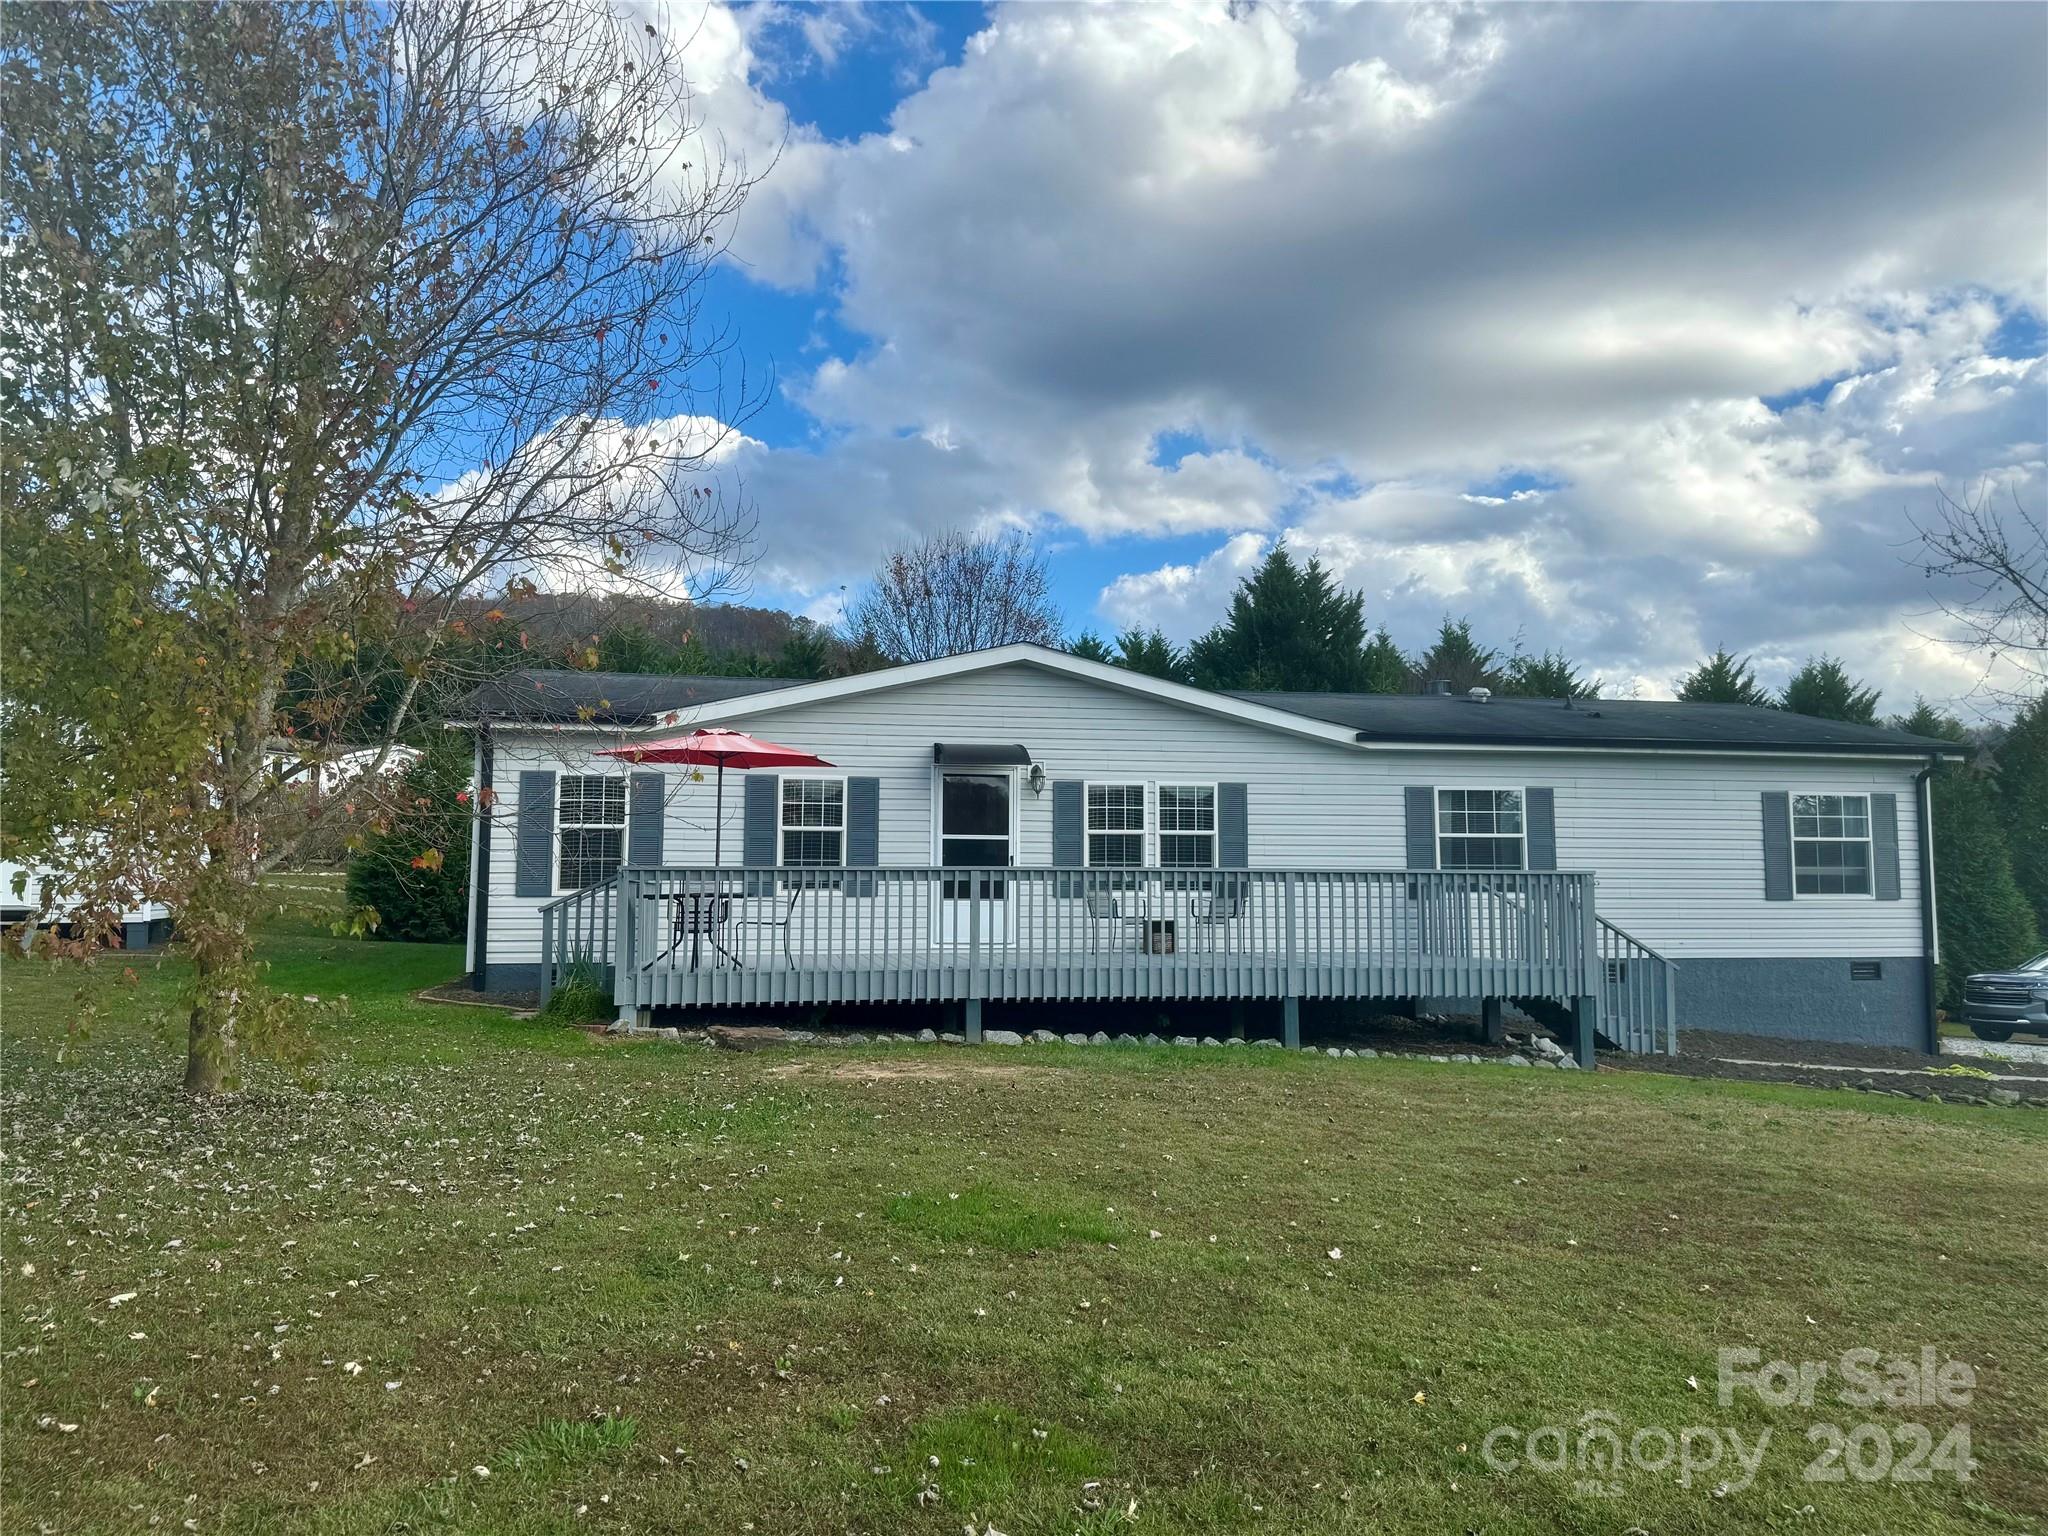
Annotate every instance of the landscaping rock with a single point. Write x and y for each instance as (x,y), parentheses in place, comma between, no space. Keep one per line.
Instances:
(1564,1064)
(1442,1061)
(927,1037)
(1210,1040)
(1348,1054)
(1152,1040)
(802,1036)
(1235,1040)
(1332,1051)
(1513,1059)
(1182,1039)
(2001,1096)
(1365,1051)
(952,1037)
(746,1037)
(1546,1063)
(1271,1045)
(1543,1045)
(1127,1040)
(1001,1037)
(1043,1037)
(1100,1037)
(1076,1038)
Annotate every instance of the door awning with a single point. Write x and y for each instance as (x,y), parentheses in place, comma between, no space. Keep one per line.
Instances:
(980,754)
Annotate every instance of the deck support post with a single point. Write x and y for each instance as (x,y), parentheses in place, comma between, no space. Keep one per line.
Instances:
(970,1020)
(1290,1022)
(1493,1029)
(1237,1018)
(1585,1012)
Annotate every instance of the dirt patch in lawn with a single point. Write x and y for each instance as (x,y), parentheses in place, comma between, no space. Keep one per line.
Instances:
(935,1067)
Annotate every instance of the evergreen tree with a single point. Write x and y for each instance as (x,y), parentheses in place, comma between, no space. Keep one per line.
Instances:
(1823,688)
(2023,803)
(806,653)
(1090,646)
(1553,675)
(1459,660)
(1383,667)
(1724,679)
(1150,652)
(1290,627)
(1986,923)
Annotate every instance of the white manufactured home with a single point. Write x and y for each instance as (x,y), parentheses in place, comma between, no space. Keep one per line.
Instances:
(1020,826)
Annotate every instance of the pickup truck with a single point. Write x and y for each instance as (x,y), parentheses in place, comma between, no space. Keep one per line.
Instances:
(1998,1004)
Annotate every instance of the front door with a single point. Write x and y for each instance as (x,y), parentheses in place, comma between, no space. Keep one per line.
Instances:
(974,835)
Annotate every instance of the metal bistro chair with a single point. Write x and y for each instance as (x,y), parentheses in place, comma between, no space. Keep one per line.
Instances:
(782,908)
(1106,908)
(698,916)
(1222,903)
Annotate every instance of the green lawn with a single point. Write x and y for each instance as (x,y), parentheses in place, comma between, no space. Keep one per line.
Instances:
(470,1273)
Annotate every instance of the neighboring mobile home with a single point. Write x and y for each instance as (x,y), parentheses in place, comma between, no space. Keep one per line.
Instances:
(1019,824)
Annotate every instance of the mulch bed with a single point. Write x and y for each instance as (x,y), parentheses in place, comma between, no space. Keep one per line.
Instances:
(459,991)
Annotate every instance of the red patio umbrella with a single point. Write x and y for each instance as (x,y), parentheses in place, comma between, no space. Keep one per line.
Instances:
(715,744)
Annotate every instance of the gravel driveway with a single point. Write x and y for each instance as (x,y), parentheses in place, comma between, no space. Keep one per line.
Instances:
(2011,1050)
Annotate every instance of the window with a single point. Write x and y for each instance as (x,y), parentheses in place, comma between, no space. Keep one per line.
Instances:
(1116,826)
(1480,829)
(1187,826)
(590,820)
(1831,845)
(813,822)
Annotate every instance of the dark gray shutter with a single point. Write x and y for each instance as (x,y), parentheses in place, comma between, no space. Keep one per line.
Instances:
(1777,845)
(1421,805)
(1884,846)
(1233,832)
(533,859)
(1542,826)
(1069,832)
(863,833)
(644,814)
(757,833)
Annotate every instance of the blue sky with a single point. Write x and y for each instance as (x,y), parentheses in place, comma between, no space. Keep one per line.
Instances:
(1634,331)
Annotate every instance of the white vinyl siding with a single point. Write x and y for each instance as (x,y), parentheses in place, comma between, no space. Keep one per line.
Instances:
(1675,838)
(590,829)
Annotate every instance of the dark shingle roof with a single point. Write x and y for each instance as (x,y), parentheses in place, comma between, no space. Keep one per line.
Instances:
(551,697)
(1455,719)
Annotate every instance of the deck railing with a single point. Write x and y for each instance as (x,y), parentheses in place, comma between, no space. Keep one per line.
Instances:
(795,935)
(1638,993)
(576,929)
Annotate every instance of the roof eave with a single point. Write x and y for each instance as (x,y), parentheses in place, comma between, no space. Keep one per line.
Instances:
(1907,752)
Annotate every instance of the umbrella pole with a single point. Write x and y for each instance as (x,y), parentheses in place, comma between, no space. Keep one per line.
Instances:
(718,819)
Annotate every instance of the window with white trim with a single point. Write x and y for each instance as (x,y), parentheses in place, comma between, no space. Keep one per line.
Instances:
(590,828)
(813,823)
(1831,845)
(1187,826)
(1116,826)
(1481,829)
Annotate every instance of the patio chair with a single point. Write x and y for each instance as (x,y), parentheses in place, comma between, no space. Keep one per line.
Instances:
(699,916)
(1107,910)
(781,907)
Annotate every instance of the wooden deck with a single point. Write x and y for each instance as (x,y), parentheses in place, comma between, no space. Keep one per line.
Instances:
(696,937)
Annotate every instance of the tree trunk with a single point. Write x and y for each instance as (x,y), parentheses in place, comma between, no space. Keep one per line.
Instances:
(210,1042)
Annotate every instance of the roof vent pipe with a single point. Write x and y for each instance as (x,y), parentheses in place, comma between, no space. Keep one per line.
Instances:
(1478,695)
(1440,685)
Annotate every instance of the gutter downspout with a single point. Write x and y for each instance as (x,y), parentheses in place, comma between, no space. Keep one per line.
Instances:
(480,862)
(1930,932)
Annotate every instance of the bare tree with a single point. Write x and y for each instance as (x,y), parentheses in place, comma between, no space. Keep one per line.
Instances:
(956,592)
(1989,565)
(328,318)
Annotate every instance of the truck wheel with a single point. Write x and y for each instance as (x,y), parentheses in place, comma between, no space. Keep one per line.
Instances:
(1986,1032)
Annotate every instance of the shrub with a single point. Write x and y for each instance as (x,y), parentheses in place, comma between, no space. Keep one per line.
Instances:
(419,898)
(582,995)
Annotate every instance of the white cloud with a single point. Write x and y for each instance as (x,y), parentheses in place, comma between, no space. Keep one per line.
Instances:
(1421,248)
